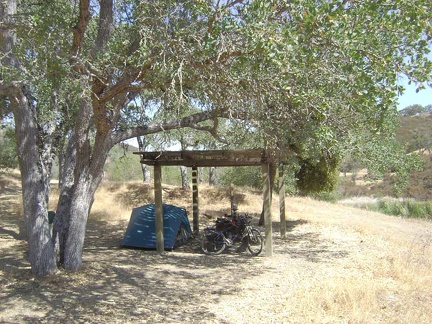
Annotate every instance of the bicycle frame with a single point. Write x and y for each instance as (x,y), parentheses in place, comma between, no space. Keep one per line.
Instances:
(226,233)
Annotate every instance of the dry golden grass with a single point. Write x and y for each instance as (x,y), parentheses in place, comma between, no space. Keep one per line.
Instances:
(114,201)
(389,278)
(108,206)
(338,265)
(390,275)
(10,183)
(376,289)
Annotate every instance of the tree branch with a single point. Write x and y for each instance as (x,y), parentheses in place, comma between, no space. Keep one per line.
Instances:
(212,130)
(105,25)
(80,28)
(189,121)
(128,83)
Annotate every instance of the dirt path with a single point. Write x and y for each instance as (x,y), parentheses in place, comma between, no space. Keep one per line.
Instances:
(337,265)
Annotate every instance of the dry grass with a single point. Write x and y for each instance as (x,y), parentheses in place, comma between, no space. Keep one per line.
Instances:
(108,206)
(114,201)
(375,289)
(358,184)
(10,183)
(338,265)
(389,277)
(377,281)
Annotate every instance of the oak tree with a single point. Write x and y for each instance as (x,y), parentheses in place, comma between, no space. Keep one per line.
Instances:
(314,76)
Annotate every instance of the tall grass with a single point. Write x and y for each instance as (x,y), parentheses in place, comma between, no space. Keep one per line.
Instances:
(403,208)
(113,201)
(390,285)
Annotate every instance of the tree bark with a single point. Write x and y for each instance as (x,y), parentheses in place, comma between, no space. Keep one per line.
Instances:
(80,205)
(35,154)
(212,176)
(74,206)
(144,168)
(8,8)
(146,173)
(35,165)
(272,168)
(83,171)
(66,183)
(184,177)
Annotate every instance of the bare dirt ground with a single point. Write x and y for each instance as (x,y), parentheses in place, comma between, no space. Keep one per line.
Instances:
(337,265)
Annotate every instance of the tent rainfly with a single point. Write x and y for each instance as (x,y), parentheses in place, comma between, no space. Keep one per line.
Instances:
(141,231)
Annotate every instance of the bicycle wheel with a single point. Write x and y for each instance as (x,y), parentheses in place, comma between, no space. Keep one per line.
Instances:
(213,243)
(254,241)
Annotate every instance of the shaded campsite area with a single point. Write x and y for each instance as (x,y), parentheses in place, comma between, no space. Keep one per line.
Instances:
(338,264)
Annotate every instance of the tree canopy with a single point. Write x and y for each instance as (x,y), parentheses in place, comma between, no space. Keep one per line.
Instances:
(415,109)
(314,77)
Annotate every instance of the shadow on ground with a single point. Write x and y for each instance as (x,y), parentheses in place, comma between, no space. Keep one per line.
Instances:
(117,284)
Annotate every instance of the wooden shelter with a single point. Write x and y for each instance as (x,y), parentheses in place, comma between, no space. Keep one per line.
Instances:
(215,158)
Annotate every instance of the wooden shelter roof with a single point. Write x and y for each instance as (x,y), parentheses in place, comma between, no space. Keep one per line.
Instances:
(207,158)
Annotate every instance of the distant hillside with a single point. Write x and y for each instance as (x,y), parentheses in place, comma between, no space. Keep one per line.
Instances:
(415,132)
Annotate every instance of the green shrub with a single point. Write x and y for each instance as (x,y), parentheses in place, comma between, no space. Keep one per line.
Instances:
(318,176)
(125,168)
(405,208)
(8,152)
(242,176)
(415,210)
(329,196)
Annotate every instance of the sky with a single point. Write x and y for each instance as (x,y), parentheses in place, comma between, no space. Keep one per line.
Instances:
(410,97)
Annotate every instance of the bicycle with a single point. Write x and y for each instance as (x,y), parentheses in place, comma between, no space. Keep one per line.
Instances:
(226,232)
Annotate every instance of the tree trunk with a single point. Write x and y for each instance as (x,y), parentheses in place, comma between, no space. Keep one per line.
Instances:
(184,177)
(212,176)
(144,168)
(73,209)
(146,173)
(72,213)
(35,156)
(35,163)
(74,206)
(80,205)
(83,171)
(66,183)
(8,9)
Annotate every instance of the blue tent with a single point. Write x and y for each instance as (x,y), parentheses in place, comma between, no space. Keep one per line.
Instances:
(141,231)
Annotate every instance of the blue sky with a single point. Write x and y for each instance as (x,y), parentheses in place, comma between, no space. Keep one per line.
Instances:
(410,97)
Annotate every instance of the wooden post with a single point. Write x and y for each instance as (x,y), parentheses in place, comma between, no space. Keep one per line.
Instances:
(195,200)
(282,201)
(231,192)
(267,212)
(160,245)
